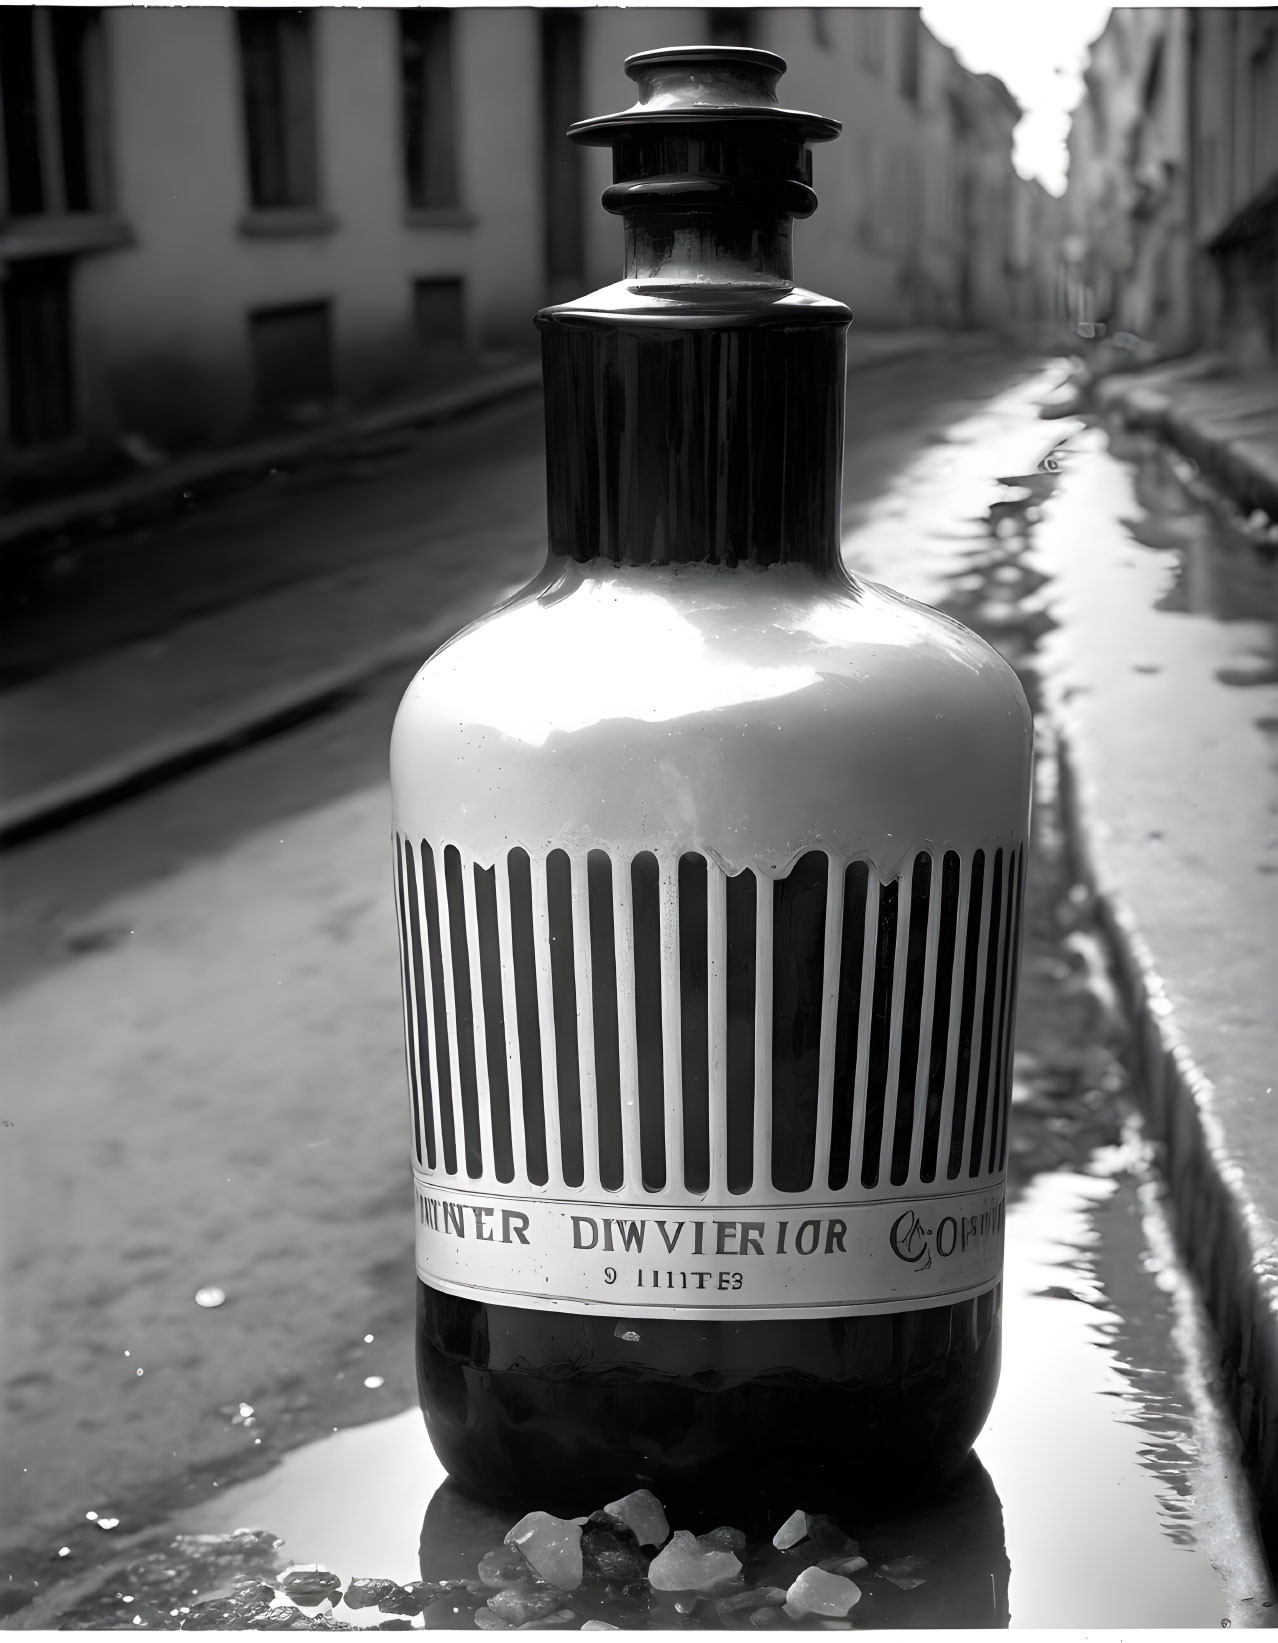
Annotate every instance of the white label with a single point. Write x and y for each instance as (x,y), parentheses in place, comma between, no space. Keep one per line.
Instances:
(726,1261)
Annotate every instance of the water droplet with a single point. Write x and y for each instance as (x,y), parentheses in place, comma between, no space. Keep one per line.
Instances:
(210,1295)
(141,1371)
(368,1340)
(127,1353)
(92,1516)
(108,1523)
(64,1551)
(372,1382)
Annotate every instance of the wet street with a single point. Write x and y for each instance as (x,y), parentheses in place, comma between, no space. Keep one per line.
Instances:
(208,1236)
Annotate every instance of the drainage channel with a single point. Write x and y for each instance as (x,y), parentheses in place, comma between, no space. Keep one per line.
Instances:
(1108,1487)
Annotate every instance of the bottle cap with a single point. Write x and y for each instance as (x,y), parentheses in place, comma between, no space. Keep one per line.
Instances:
(708,130)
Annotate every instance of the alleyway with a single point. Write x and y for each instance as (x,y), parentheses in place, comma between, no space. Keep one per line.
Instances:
(200,1020)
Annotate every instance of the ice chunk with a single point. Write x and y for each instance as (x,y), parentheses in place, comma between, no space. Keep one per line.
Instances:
(844,1565)
(610,1552)
(518,1604)
(309,1583)
(598,1626)
(723,1539)
(791,1532)
(901,1571)
(487,1621)
(551,1548)
(738,1603)
(550,1622)
(827,1539)
(643,1514)
(685,1566)
(503,1566)
(818,1592)
(363,1593)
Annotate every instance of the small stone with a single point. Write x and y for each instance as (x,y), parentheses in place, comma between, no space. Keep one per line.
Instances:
(724,1539)
(610,1553)
(401,1599)
(217,1615)
(644,1515)
(503,1566)
(364,1593)
(791,1532)
(517,1605)
(843,1565)
(283,1619)
(560,1617)
(309,1583)
(685,1566)
(818,1592)
(761,1597)
(551,1547)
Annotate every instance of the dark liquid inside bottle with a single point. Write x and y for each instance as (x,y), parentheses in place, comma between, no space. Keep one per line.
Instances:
(726,1422)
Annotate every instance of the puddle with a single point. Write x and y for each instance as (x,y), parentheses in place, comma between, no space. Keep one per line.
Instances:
(1107,1492)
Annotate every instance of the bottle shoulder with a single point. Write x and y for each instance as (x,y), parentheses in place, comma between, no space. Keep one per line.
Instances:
(750,713)
(589,644)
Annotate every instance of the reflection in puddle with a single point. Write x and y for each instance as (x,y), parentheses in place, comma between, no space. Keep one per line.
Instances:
(1103,1480)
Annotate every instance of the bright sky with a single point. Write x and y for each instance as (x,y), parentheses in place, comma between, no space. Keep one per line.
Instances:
(1039,52)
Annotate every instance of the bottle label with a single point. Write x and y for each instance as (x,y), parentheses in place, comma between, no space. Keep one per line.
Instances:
(726,1262)
(652,1087)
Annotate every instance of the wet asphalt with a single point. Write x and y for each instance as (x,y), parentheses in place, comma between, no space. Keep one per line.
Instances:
(200,1018)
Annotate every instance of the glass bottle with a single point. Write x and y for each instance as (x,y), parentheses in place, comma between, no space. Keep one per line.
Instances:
(709,861)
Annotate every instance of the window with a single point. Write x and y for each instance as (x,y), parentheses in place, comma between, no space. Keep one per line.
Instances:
(427,106)
(439,317)
(37,332)
(729,26)
(51,86)
(279,108)
(292,357)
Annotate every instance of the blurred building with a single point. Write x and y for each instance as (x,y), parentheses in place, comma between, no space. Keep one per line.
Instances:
(1172,204)
(1234,167)
(214,222)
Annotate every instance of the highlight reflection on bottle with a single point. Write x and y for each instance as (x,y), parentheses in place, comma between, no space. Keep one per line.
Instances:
(709,860)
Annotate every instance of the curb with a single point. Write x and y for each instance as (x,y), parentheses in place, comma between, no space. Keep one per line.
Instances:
(170,481)
(151,763)
(1243,469)
(165,757)
(1222,1237)
(167,484)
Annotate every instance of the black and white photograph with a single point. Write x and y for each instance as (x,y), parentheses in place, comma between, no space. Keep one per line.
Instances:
(638,817)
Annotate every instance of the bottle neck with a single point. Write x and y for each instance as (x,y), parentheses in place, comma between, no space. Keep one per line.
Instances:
(694,412)
(703,249)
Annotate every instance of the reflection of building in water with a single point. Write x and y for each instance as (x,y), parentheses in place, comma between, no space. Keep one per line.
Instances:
(1173,181)
(213,221)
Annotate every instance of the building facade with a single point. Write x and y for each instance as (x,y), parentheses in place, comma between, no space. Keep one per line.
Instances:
(1172,203)
(1233,57)
(215,222)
